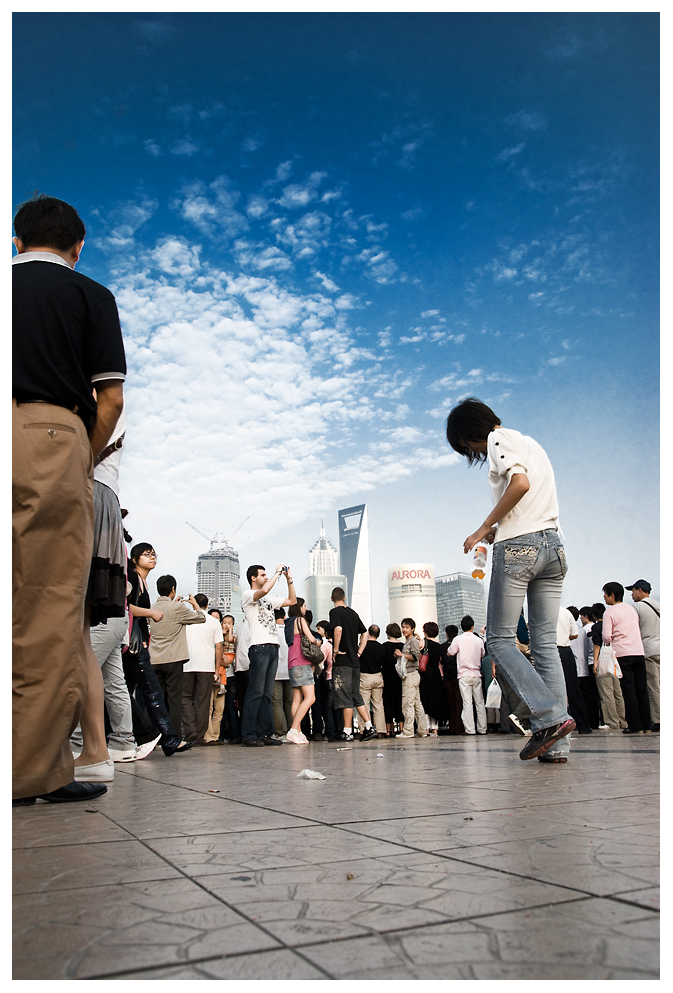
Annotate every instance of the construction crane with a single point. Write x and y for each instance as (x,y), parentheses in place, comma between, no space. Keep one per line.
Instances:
(219,537)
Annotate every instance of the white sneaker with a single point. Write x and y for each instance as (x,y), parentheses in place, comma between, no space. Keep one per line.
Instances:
(143,751)
(296,737)
(129,755)
(97,772)
(403,734)
(519,726)
(603,727)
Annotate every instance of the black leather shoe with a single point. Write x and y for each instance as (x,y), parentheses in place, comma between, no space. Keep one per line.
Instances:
(368,734)
(181,748)
(271,741)
(253,742)
(24,801)
(75,791)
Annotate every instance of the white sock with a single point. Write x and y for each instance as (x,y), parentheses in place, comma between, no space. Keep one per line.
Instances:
(368,725)
(348,730)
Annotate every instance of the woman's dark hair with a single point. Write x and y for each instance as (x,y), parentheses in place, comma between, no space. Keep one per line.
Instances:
(294,610)
(587,612)
(451,632)
(470,420)
(137,550)
(214,610)
(45,222)
(598,609)
(393,631)
(431,629)
(574,611)
(309,617)
(616,590)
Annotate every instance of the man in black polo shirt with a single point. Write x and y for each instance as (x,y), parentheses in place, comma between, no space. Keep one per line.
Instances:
(345,626)
(66,342)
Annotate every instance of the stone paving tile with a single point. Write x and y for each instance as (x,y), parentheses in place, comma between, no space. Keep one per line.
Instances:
(202,855)
(320,902)
(103,930)
(444,831)
(613,942)
(599,867)
(279,965)
(191,814)
(48,824)
(645,898)
(67,867)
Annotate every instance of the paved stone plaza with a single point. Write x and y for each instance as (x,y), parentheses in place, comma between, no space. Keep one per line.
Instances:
(447,859)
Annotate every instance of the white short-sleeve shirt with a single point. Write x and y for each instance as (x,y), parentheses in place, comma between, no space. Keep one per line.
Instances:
(510,452)
(201,641)
(261,618)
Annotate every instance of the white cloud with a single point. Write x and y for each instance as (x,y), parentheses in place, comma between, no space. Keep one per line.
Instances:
(187,147)
(327,283)
(430,313)
(257,206)
(152,148)
(508,153)
(528,120)
(212,209)
(299,195)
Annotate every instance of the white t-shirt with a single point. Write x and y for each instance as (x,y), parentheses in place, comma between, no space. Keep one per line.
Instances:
(201,641)
(242,662)
(108,471)
(565,626)
(510,452)
(261,618)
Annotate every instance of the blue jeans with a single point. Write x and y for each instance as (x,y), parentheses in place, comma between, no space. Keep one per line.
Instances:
(531,565)
(257,720)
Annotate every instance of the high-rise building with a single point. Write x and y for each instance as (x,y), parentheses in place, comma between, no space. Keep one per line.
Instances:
(324,576)
(411,593)
(218,576)
(323,558)
(457,595)
(354,558)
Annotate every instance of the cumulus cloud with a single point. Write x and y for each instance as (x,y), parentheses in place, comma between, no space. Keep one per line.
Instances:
(212,209)
(299,195)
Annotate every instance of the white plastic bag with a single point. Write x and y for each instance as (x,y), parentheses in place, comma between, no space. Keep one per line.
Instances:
(493,695)
(310,774)
(401,667)
(607,662)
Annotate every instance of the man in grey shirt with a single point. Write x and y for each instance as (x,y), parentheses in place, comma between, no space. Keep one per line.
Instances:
(649,612)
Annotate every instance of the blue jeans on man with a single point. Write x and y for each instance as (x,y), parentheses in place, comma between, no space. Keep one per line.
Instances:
(257,718)
(531,565)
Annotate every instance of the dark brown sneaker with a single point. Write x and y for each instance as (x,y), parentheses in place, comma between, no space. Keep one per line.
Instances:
(540,741)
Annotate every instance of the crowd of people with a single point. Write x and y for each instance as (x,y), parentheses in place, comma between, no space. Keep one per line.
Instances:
(103,672)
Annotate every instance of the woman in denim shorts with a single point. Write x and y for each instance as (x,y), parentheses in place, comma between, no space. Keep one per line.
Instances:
(300,671)
(528,561)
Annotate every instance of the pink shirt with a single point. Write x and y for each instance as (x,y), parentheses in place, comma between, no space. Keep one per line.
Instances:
(470,651)
(622,630)
(326,649)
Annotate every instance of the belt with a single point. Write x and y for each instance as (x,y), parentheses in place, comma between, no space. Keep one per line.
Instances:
(50,403)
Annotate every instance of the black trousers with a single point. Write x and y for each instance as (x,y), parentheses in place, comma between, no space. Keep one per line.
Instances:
(634,690)
(591,698)
(169,676)
(576,706)
(148,709)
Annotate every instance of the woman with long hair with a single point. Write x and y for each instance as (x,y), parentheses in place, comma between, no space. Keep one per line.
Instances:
(140,676)
(392,684)
(300,671)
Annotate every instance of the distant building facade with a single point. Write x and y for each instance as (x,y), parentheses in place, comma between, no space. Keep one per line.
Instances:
(218,576)
(354,558)
(459,594)
(318,595)
(323,576)
(411,593)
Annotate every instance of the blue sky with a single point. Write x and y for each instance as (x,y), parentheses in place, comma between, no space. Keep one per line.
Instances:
(323,230)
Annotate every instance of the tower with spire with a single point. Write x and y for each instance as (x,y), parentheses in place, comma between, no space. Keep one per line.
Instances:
(323,577)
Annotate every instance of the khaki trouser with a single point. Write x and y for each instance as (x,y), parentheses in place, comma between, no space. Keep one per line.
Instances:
(52,541)
(612,701)
(371,688)
(471,689)
(411,704)
(652,668)
(216,712)
(281,705)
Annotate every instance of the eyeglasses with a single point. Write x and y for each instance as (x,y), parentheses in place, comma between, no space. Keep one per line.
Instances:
(150,555)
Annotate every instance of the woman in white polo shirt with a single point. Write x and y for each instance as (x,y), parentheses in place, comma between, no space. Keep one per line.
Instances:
(528,560)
